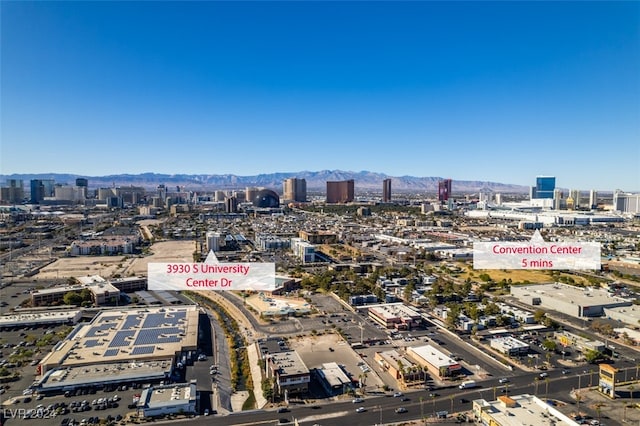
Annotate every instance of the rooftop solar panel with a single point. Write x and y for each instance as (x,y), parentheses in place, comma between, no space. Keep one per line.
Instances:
(154,336)
(132,321)
(92,343)
(141,350)
(120,339)
(111,352)
(93,331)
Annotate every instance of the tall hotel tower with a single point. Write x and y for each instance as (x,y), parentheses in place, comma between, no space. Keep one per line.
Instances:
(444,190)
(295,189)
(340,191)
(386,191)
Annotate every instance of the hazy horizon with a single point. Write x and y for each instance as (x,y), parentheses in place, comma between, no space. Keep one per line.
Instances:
(490,91)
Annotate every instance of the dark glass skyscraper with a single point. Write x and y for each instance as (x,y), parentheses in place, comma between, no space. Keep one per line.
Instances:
(545,187)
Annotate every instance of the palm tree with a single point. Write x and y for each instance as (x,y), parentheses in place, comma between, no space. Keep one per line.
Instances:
(451,398)
(546,381)
(535,383)
(578,399)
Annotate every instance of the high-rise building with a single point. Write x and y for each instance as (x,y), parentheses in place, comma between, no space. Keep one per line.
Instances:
(593,199)
(574,194)
(13,191)
(625,202)
(340,191)
(444,190)
(231,205)
(295,189)
(37,191)
(545,186)
(386,191)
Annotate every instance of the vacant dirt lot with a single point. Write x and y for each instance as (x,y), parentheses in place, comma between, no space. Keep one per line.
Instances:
(124,265)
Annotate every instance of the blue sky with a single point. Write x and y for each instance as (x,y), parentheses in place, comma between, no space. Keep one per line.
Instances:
(489,91)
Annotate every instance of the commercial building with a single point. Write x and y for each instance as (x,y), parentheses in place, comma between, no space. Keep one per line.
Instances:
(444,190)
(102,293)
(12,192)
(401,368)
(168,399)
(104,246)
(626,314)
(386,191)
(290,373)
(545,187)
(579,343)
(509,346)
(303,250)
(395,315)
(36,318)
(436,362)
(625,202)
(333,379)
(340,191)
(122,346)
(518,410)
(570,300)
(295,189)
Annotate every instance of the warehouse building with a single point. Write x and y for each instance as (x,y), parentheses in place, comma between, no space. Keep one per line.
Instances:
(577,302)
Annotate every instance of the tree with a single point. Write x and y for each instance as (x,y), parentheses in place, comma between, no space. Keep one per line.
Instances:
(539,315)
(72,298)
(592,356)
(549,345)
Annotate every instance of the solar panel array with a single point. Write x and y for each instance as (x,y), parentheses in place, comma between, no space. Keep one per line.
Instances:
(111,318)
(120,339)
(93,331)
(141,350)
(158,335)
(111,352)
(92,343)
(132,321)
(156,320)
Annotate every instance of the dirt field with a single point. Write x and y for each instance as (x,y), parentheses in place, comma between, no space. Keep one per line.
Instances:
(517,276)
(124,265)
(165,251)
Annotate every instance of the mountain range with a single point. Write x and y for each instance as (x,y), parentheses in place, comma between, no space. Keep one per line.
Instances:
(316,181)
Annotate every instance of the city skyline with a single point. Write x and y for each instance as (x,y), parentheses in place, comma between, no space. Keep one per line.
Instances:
(499,92)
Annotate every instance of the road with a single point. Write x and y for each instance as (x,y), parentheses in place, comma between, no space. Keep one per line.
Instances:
(380,409)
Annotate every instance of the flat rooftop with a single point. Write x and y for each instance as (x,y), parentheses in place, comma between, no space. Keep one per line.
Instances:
(89,375)
(433,356)
(169,395)
(580,296)
(132,335)
(394,311)
(289,363)
(521,410)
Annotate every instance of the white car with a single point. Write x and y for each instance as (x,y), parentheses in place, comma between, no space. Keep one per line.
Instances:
(361,410)
(357,400)
(503,380)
